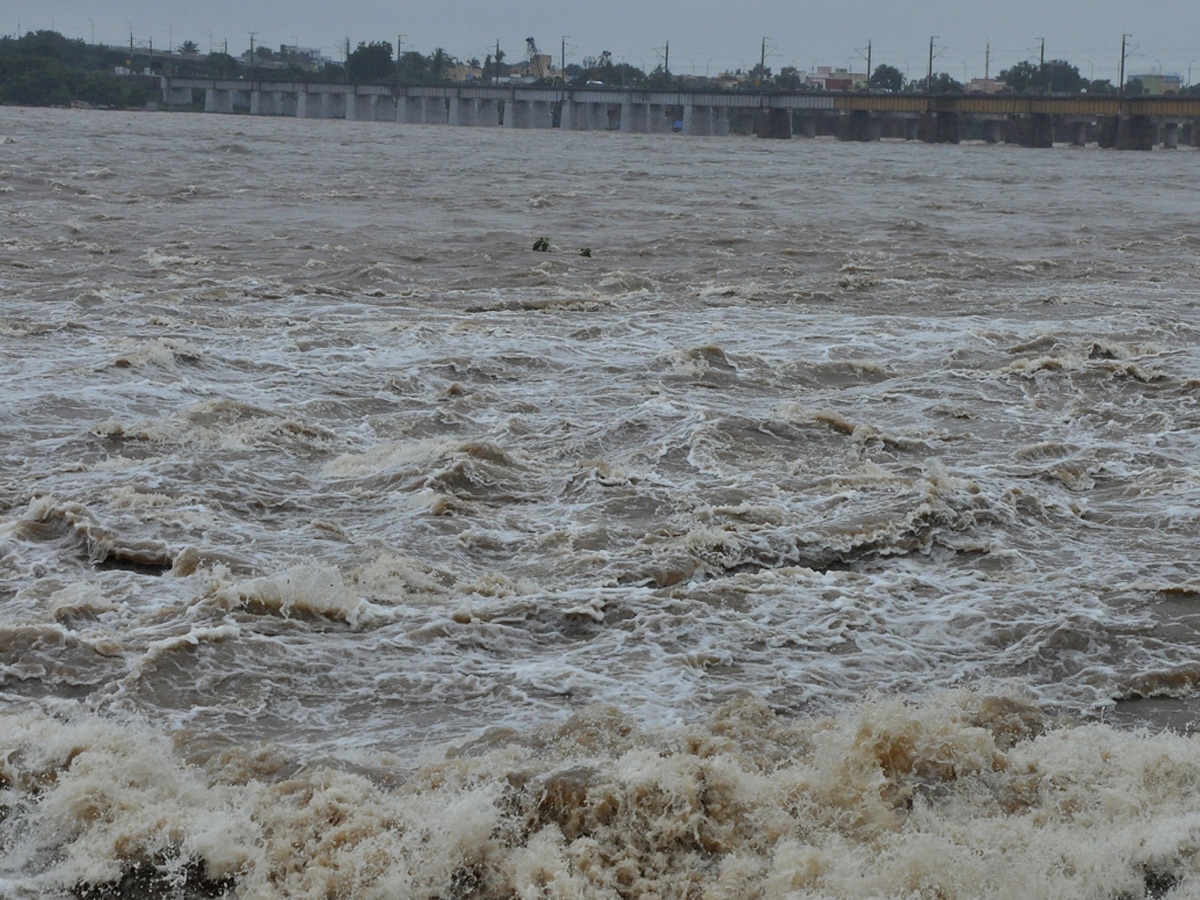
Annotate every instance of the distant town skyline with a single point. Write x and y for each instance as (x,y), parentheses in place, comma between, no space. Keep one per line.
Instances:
(705,36)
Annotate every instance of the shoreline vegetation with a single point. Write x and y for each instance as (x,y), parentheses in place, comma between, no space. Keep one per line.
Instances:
(45,68)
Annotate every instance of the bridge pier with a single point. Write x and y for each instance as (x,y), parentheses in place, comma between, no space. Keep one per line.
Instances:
(361,107)
(541,114)
(421,110)
(264,103)
(410,110)
(720,121)
(218,101)
(437,111)
(697,120)
(313,105)
(635,117)
(487,113)
(576,116)
(991,130)
(659,123)
(1136,133)
(858,125)
(774,124)
(1170,135)
(940,128)
(1079,133)
(174,96)
(516,113)
(807,126)
(1041,130)
(463,112)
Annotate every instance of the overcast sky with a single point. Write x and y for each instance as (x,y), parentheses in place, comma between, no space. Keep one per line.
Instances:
(706,36)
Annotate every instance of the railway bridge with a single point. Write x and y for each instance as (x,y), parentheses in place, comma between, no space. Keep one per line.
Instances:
(1034,120)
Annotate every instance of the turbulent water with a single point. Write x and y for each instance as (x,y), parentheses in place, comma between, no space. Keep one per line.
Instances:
(827,529)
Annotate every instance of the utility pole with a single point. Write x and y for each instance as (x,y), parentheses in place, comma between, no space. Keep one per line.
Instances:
(252,34)
(1121,77)
(929,76)
(987,61)
(1042,64)
(562,59)
(399,65)
(667,62)
(867,57)
(497,78)
(762,60)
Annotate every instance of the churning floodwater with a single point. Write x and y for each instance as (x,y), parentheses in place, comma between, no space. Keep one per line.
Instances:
(827,529)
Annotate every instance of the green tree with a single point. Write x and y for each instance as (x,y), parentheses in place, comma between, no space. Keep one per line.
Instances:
(440,61)
(221,65)
(414,68)
(1058,75)
(188,48)
(942,84)
(789,79)
(1020,77)
(370,62)
(887,78)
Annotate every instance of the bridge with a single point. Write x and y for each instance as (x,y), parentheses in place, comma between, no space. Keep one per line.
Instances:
(1038,120)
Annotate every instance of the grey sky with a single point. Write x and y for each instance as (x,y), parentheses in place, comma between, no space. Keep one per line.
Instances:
(705,35)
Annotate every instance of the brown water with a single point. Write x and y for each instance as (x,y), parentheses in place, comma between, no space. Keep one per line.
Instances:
(807,539)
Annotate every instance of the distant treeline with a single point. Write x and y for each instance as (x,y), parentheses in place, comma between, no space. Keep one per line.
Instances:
(43,68)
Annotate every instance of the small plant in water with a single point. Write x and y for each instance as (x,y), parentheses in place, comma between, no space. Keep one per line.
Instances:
(586,251)
(542,245)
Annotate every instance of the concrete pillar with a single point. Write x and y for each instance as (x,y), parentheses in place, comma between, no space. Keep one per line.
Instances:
(775,124)
(463,112)
(991,131)
(1041,130)
(1079,133)
(218,101)
(912,129)
(286,103)
(360,107)
(659,123)
(635,117)
(1136,133)
(857,125)
(177,96)
(385,108)
(487,112)
(1170,136)
(940,128)
(610,115)
(1108,126)
(264,103)
(697,120)
(541,114)
(576,116)
(516,113)
(720,121)
(310,105)
(808,126)
(436,111)
(410,110)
